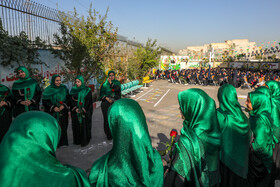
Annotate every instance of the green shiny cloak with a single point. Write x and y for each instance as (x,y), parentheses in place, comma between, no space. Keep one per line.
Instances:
(82,92)
(264,90)
(5,92)
(105,87)
(261,122)
(274,88)
(27,83)
(28,154)
(235,131)
(191,161)
(132,160)
(56,93)
(200,121)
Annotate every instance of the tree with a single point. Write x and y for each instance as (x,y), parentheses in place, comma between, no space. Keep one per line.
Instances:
(20,50)
(145,58)
(204,62)
(273,57)
(85,45)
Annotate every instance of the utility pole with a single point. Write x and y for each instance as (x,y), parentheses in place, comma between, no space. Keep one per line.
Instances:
(211,56)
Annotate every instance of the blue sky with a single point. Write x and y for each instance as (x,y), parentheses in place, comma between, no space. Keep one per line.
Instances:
(177,24)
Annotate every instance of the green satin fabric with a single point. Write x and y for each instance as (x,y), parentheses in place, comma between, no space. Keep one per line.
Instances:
(235,131)
(3,90)
(264,90)
(132,160)
(191,161)
(261,123)
(105,88)
(274,88)
(25,83)
(55,93)
(82,92)
(201,121)
(28,154)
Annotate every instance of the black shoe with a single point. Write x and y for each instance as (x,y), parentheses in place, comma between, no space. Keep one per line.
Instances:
(109,137)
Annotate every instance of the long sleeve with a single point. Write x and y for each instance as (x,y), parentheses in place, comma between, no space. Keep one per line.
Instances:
(18,96)
(48,105)
(37,95)
(88,103)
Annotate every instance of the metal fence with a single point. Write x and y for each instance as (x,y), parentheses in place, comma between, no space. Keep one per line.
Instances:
(35,19)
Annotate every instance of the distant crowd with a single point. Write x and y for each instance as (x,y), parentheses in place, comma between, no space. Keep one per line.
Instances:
(218,76)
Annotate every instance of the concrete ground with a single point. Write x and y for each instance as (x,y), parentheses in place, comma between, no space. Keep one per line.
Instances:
(160,105)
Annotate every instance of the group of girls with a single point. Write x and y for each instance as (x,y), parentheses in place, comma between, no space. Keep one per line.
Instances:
(57,101)
(217,147)
(222,147)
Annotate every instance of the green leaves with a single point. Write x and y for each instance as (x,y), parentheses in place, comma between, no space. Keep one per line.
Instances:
(145,58)
(20,50)
(163,152)
(86,44)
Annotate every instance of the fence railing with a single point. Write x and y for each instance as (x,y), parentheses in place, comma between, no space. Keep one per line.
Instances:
(33,18)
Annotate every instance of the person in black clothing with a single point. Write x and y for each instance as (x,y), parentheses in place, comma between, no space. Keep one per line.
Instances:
(26,91)
(6,103)
(56,101)
(81,112)
(110,91)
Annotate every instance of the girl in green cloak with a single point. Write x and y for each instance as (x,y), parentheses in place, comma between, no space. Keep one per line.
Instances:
(274,88)
(109,92)
(196,155)
(6,103)
(261,149)
(81,112)
(28,154)
(26,91)
(236,135)
(132,160)
(56,100)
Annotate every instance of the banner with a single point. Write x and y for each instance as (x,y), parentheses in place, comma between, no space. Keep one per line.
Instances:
(193,64)
(173,62)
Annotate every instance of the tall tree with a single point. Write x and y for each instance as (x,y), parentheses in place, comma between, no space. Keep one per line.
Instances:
(85,44)
(145,58)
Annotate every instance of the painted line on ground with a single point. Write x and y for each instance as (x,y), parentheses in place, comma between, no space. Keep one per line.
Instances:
(143,94)
(242,96)
(162,98)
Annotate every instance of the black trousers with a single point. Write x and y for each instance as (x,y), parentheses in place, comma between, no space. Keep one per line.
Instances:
(63,123)
(104,107)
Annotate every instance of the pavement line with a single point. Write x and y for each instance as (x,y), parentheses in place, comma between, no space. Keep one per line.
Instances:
(143,94)
(242,96)
(161,98)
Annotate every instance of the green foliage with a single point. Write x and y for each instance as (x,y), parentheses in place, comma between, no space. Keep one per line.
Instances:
(145,58)
(258,57)
(86,44)
(20,50)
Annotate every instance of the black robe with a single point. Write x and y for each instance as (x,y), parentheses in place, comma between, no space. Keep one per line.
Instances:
(19,96)
(63,117)
(6,117)
(82,132)
(258,176)
(105,106)
(229,178)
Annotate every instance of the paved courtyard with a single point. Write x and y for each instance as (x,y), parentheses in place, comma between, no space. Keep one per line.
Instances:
(160,105)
